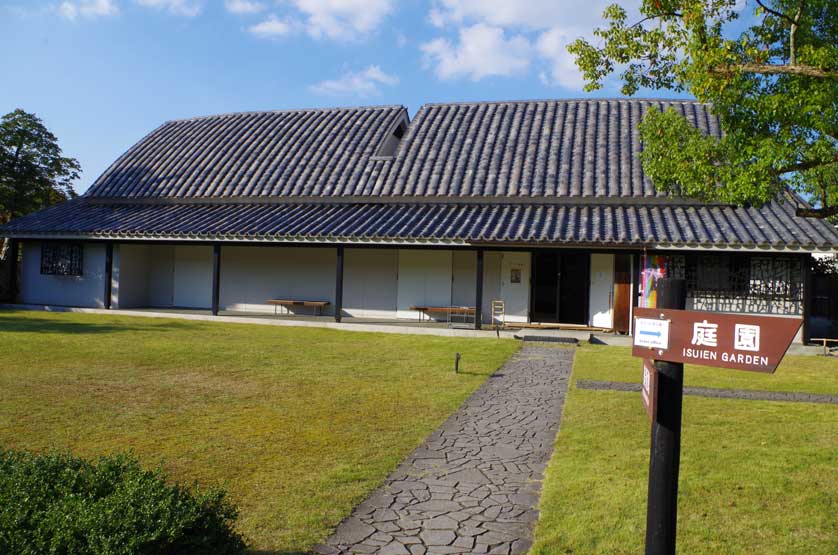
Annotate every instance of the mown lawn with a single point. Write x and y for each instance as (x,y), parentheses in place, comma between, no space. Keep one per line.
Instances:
(813,374)
(298,424)
(756,477)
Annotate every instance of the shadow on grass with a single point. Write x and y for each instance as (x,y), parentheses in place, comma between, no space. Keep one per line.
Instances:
(25,325)
(269,552)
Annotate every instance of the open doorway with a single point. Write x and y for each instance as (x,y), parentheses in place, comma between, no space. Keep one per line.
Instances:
(560,287)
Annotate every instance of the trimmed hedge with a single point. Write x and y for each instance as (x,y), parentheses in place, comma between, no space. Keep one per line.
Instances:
(60,504)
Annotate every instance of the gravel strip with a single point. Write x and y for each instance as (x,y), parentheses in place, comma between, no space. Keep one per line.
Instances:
(747,394)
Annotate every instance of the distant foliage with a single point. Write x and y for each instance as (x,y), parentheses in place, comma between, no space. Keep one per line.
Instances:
(61,504)
(825,266)
(34,173)
(768,67)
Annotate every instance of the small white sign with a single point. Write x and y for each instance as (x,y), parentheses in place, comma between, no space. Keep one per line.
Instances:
(649,332)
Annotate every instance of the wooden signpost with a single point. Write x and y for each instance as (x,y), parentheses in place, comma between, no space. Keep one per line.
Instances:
(755,343)
(665,338)
(649,388)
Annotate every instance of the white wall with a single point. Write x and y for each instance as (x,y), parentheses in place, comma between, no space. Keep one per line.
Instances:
(491,282)
(370,283)
(252,275)
(601,290)
(193,276)
(130,276)
(87,290)
(516,296)
(424,279)
(161,275)
(464,280)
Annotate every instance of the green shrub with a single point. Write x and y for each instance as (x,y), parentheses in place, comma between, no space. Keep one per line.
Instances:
(60,504)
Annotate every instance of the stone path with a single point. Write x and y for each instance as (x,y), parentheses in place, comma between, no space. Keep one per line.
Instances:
(746,394)
(474,485)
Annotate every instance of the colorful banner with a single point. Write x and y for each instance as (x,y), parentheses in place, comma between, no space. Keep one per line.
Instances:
(654,268)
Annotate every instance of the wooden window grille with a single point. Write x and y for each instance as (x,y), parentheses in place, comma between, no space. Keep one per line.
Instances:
(61,259)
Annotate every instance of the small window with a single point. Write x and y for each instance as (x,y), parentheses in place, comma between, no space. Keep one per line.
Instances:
(388,147)
(61,259)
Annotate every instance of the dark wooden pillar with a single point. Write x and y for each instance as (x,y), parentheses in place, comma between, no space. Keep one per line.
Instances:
(14,245)
(339,285)
(216,277)
(806,268)
(108,274)
(478,292)
(665,448)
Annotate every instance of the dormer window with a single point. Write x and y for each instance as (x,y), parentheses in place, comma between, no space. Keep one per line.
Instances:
(391,143)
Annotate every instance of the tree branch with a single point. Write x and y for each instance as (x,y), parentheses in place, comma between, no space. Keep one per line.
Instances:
(774,12)
(656,16)
(821,213)
(808,165)
(771,69)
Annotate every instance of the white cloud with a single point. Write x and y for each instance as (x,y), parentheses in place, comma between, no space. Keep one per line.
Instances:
(536,14)
(546,25)
(342,19)
(552,47)
(187,8)
(482,51)
(361,83)
(242,7)
(87,8)
(532,14)
(270,28)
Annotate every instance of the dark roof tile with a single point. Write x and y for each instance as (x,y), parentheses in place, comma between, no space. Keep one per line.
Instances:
(286,153)
(639,225)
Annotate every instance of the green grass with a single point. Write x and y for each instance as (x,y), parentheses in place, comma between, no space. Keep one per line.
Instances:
(298,424)
(756,477)
(812,374)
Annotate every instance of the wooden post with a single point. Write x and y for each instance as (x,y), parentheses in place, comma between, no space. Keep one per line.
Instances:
(13,270)
(665,450)
(478,293)
(216,277)
(108,274)
(339,285)
(806,267)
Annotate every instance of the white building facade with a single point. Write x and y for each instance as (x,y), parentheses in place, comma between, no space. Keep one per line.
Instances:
(539,208)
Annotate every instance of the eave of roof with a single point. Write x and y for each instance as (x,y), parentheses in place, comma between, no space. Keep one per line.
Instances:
(772,228)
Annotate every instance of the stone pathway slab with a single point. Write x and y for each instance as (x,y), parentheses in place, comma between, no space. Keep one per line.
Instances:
(473,485)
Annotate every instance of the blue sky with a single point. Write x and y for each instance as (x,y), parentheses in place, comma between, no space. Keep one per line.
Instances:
(103,73)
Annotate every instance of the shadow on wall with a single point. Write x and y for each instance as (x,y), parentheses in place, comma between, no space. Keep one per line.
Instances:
(5,279)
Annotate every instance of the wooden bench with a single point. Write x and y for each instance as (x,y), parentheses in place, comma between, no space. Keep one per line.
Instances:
(287,303)
(825,342)
(449,311)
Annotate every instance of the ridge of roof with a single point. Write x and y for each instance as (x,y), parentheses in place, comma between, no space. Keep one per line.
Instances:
(567,100)
(417,200)
(430,104)
(290,111)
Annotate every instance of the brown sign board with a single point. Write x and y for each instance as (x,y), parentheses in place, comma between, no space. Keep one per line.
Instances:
(649,388)
(741,342)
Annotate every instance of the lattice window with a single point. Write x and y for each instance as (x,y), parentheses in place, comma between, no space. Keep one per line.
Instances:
(718,273)
(677,266)
(776,278)
(61,259)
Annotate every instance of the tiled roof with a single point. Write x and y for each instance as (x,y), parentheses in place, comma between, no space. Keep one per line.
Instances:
(566,148)
(659,225)
(559,172)
(289,153)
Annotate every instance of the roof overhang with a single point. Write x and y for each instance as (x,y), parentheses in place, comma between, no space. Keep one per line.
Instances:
(408,242)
